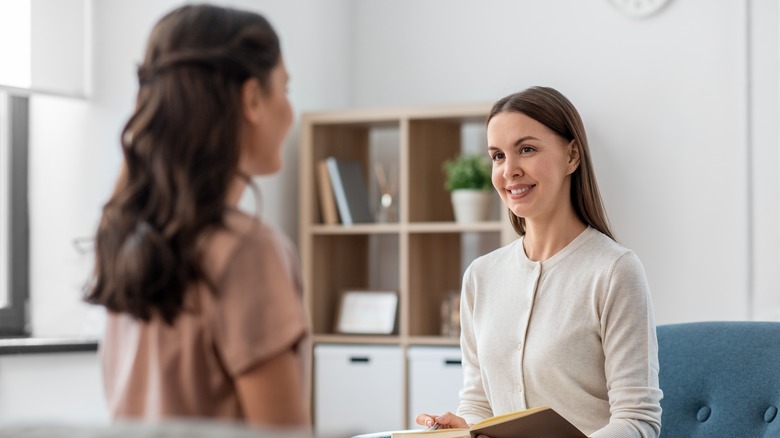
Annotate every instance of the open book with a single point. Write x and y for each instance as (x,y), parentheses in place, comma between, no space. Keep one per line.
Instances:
(530,423)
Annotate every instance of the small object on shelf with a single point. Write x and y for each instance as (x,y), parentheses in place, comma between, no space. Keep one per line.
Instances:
(330,215)
(349,189)
(450,314)
(468,178)
(387,190)
(367,312)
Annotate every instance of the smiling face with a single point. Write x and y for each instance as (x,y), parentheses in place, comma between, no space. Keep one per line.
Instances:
(532,166)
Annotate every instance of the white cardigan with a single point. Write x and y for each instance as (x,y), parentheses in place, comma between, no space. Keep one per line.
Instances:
(575,332)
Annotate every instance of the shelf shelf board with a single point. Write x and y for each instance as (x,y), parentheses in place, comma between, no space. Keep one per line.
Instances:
(355,339)
(356,229)
(453,227)
(433,340)
(471,112)
(413,227)
(385,340)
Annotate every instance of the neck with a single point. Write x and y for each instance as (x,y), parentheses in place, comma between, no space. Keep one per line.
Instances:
(543,239)
(235,191)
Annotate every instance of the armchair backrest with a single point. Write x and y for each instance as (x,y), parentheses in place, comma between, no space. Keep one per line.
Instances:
(720,379)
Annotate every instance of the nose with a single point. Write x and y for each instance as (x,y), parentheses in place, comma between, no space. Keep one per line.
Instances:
(512,168)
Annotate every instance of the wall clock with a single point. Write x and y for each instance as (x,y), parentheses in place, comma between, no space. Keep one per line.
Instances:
(638,8)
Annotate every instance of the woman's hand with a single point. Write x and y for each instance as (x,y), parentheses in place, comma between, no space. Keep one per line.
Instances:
(446,421)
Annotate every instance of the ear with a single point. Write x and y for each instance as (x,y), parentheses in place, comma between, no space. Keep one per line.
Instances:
(252,101)
(574,156)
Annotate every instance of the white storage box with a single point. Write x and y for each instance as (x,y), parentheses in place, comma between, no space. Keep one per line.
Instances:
(435,379)
(357,389)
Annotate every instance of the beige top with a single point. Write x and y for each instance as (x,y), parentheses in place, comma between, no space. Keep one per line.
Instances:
(575,332)
(152,370)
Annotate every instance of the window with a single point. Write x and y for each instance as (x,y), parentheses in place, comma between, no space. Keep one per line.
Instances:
(44,46)
(14,240)
(15,44)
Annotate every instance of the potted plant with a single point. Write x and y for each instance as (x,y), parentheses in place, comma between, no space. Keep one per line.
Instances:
(467,178)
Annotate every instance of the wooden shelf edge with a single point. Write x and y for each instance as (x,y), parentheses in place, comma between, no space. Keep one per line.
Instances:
(355,339)
(454,227)
(476,112)
(433,340)
(412,227)
(386,340)
(355,229)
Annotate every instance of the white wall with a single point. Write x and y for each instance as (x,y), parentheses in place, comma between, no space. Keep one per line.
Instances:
(664,100)
(60,387)
(689,176)
(764,243)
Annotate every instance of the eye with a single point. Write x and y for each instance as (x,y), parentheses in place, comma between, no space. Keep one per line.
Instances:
(526,149)
(497,156)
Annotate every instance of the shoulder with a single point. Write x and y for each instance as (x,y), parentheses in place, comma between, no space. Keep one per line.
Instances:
(618,265)
(244,236)
(505,254)
(249,231)
(600,248)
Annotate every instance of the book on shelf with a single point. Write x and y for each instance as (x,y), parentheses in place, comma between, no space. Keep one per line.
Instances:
(536,422)
(330,215)
(349,189)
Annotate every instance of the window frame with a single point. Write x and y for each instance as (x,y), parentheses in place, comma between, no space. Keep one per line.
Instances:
(16,112)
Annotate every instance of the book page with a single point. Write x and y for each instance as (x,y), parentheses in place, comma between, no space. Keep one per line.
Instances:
(439,433)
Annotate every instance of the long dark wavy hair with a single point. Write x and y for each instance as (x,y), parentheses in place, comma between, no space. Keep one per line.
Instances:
(553,110)
(181,153)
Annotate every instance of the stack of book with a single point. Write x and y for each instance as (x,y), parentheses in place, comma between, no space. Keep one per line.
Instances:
(342,190)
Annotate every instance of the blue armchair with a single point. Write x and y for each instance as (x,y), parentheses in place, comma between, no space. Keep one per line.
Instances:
(720,379)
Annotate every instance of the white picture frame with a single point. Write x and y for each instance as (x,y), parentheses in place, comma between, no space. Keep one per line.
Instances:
(367,312)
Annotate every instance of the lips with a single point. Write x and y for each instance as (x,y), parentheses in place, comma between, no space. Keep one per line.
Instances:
(520,190)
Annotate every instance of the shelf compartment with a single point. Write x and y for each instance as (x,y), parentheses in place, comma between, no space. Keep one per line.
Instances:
(437,262)
(432,141)
(349,262)
(369,143)
(434,271)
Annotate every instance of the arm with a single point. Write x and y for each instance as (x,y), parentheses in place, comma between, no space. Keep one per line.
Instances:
(631,353)
(474,405)
(271,393)
(258,327)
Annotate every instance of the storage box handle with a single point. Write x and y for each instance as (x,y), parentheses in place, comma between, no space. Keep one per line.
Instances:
(453,362)
(359,359)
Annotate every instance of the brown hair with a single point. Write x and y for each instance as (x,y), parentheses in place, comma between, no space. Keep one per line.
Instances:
(552,109)
(181,153)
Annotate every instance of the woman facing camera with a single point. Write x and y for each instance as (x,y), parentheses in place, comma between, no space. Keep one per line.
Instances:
(562,316)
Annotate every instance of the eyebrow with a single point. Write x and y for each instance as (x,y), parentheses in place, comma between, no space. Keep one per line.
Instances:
(518,142)
(522,139)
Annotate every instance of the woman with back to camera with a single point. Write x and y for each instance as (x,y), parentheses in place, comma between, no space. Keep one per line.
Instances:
(562,316)
(205,312)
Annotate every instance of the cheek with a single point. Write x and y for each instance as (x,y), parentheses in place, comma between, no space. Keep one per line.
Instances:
(497,177)
(287,114)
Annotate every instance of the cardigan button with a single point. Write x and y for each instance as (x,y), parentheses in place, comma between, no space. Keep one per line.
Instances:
(770,414)
(703,414)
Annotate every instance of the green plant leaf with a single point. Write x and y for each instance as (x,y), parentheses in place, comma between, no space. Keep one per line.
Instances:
(470,171)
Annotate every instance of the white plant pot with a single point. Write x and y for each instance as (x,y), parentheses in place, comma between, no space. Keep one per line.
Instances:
(471,205)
